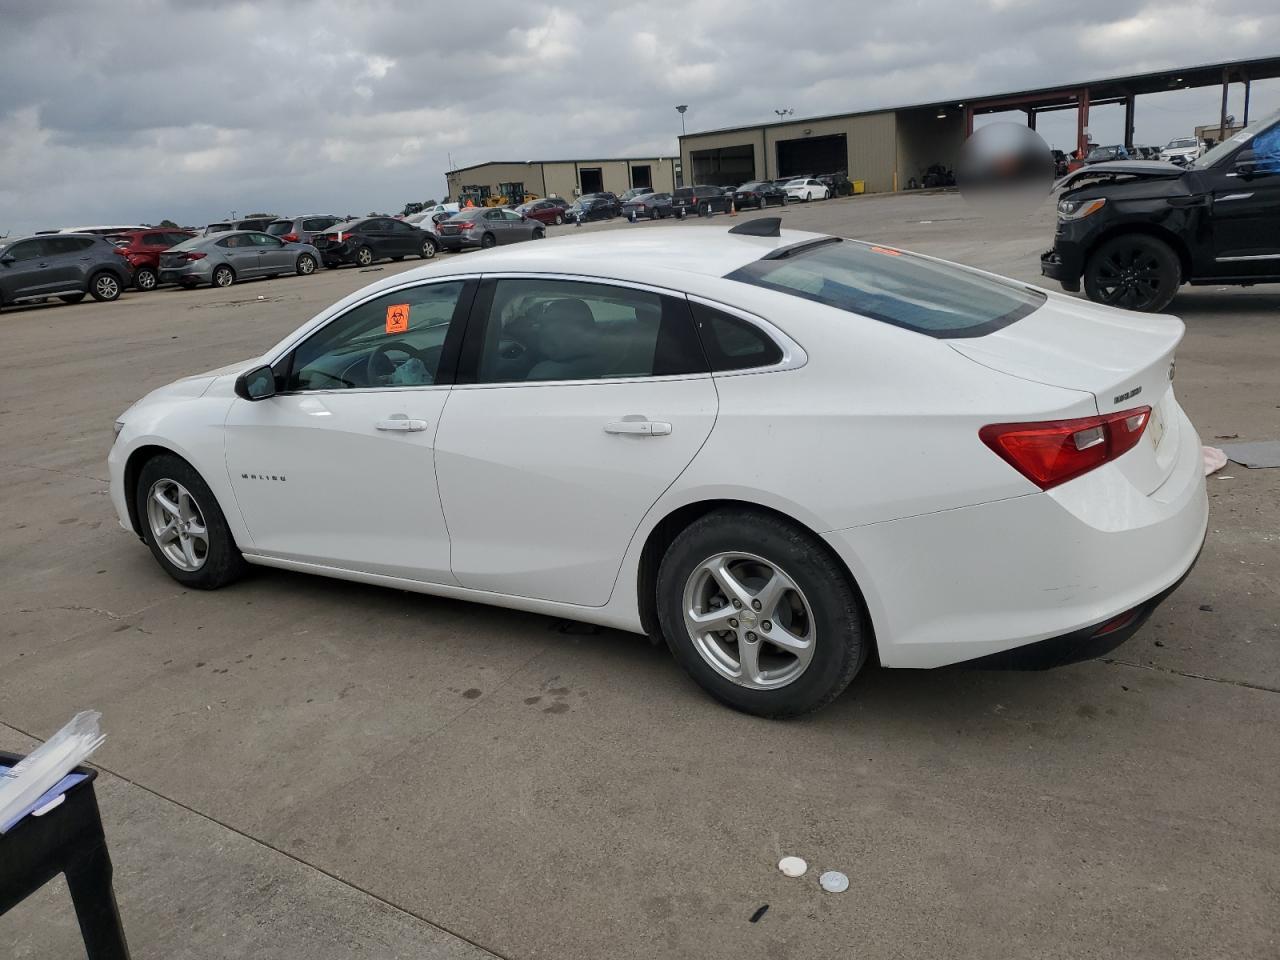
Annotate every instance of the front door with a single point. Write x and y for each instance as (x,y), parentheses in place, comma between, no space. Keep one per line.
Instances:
(1246,207)
(25,269)
(241,254)
(336,469)
(585,402)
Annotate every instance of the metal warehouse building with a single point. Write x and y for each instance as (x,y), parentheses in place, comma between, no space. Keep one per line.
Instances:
(886,148)
(561,178)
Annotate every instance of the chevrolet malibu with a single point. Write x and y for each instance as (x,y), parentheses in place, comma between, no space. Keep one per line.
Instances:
(783,453)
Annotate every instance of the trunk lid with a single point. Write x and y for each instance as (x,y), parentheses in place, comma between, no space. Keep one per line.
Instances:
(1124,359)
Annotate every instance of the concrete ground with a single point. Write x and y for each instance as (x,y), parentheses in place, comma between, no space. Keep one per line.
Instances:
(314,769)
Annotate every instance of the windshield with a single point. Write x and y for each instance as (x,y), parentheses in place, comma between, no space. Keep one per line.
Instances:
(930,297)
(796,183)
(1229,145)
(1184,142)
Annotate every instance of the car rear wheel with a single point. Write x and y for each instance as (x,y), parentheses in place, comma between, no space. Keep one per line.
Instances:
(1133,272)
(104,286)
(72,297)
(488,240)
(760,613)
(559,219)
(183,525)
(145,278)
(223,276)
(364,257)
(539,234)
(429,248)
(306,265)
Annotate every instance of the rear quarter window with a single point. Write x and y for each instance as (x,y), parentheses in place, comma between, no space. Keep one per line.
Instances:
(937,299)
(731,343)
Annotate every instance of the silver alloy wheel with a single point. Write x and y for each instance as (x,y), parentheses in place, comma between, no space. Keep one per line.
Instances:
(749,620)
(428,249)
(145,279)
(107,287)
(178,525)
(364,257)
(223,277)
(559,219)
(306,265)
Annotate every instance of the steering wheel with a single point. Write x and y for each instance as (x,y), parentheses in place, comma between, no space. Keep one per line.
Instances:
(380,365)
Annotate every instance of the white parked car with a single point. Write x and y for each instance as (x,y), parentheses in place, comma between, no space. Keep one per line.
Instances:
(783,452)
(806,188)
(1183,150)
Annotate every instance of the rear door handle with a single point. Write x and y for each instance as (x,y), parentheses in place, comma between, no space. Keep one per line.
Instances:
(643,428)
(399,423)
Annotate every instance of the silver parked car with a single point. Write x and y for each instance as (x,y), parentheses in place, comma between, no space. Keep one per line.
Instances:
(487,227)
(225,258)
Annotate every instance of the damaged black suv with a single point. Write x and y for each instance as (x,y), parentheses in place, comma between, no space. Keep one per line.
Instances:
(1135,230)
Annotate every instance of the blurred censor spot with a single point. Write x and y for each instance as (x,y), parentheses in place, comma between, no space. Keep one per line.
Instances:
(1005,170)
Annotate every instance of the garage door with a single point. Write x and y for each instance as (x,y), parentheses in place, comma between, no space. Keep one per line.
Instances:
(812,156)
(724,166)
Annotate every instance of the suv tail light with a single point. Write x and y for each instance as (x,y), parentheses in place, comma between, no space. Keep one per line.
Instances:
(290,238)
(121,251)
(1056,451)
(194,255)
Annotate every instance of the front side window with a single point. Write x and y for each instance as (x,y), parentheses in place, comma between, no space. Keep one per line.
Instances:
(394,340)
(929,297)
(26,250)
(540,330)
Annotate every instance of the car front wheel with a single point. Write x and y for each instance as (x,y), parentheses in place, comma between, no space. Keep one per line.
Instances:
(559,219)
(183,525)
(306,265)
(760,613)
(1133,271)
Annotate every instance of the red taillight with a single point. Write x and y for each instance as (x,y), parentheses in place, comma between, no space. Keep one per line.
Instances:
(194,255)
(468,225)
(1056,451)
(1117,623)
(290,238)
(121,251)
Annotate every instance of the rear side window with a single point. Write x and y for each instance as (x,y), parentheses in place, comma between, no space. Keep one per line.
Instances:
(936,299)
(59,245)
(731,343)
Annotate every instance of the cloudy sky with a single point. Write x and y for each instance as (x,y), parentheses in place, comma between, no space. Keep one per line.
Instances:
(137,110)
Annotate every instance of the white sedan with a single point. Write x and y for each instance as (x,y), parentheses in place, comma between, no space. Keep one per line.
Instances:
(807,188)
(783,452)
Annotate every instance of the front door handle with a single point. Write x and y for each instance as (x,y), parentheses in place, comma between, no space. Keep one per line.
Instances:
(643,428)
(399,423)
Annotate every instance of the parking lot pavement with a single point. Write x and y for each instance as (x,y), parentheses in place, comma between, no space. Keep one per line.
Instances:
(302,767)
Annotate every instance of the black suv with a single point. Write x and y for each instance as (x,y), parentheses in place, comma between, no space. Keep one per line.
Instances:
(64,265)
(701,200)
(373,238)
(1136,230)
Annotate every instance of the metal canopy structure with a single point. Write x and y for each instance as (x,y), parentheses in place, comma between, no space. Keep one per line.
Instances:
(1082,96)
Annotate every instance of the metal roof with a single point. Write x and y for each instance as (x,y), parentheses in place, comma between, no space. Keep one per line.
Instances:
(1059,94)
(488,163)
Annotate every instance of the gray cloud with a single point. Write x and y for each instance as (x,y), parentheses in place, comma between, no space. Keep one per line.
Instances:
(142,109)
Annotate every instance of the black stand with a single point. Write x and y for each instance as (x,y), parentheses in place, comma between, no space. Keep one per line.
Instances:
(68,839)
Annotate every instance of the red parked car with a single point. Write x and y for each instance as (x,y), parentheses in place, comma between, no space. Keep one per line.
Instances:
(547,211)
(142,249)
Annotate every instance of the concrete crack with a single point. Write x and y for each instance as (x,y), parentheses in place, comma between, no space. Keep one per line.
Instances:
(1248,685)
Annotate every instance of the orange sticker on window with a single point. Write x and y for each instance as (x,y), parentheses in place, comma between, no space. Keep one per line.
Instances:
(397,318)
(886,251)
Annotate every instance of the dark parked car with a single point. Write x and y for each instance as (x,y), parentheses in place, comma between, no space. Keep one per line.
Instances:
(700,200)
(544,211)
(488,227)
(142,249)
(654,206)
(593,207)
(633,193)
(1102,154)
(1136,230)
(610,199)
(759,194)
(251,223)
(63,265)
(302,229)
(367,239)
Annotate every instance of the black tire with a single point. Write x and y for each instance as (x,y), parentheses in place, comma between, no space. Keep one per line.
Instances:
(222,562)
(1133,271)
(73,297)
(364,257)
(539,234)
(144,279)
(841,640)
(487,241)
(223,276)
(429,249)
(105,286)
(306,265)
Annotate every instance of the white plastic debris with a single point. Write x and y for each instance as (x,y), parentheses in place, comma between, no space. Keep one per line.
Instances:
(833,881)
(792,866)
(1214,459)
(27,781)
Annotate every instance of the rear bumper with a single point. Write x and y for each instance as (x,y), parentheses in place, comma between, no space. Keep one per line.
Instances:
(965,584)
(192,271)
(456,243)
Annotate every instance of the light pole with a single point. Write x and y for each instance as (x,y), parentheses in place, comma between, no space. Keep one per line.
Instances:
(784,112)
(681,109)
(679,151)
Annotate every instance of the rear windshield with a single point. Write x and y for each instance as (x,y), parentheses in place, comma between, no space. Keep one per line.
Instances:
(929,297)
(280,228)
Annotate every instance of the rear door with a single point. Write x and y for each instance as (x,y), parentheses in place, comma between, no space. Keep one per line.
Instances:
(66,262)
(241,254)
(584,401)
(377,231)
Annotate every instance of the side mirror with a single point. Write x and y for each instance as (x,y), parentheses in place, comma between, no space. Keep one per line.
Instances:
(256,384)
(1245,163)
(8,259)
